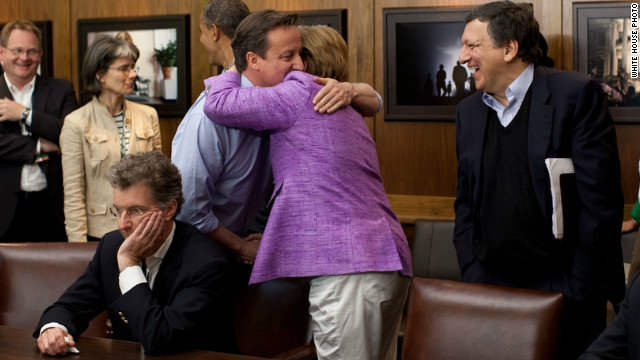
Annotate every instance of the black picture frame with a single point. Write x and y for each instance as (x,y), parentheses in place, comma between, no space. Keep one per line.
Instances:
(170,27)
(334,18)
(416,42)
(596,55)
(46,63)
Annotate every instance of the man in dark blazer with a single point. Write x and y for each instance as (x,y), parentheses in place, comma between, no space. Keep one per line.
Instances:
(507,229)
(621,339)
(32,110)
(163,282)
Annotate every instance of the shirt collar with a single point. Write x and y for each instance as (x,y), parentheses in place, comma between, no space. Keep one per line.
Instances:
(30,85)
(245,82)
(516,91)
(162,251)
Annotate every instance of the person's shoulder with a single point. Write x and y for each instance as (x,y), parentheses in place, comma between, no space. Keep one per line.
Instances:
(196,119)
(562,77)
(111,241)
(134,106)
(80,115)
(198,245)
(472,100)
(56,82)
(299,76)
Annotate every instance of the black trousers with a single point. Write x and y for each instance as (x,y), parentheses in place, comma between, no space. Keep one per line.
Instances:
(34,220)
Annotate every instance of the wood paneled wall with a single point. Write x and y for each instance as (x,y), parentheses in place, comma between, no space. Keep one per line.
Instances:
(416,158)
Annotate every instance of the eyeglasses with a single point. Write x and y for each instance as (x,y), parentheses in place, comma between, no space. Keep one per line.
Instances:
(17,52)
(132,213)
(126,69)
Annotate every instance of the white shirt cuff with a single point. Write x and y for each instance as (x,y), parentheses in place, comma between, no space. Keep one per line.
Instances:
(53,324)
(130,277)
(29,118)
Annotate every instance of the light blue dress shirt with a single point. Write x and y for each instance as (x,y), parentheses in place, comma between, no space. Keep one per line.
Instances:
(225,171)
(515,94)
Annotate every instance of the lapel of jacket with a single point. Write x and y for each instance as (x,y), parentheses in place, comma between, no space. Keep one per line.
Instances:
(4,89)
(168,271)
(480,115)
(540,130)
(40,93)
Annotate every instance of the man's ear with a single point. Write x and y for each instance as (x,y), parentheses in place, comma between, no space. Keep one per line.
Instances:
(511,51)
(170,211)
(214,32)
(253,60)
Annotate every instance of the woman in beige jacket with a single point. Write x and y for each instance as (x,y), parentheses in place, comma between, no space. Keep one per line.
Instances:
(97,135)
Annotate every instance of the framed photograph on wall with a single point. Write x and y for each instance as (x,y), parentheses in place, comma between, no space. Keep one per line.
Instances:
(335,18)
(164,76)
(423,80)
(602,50)
(46,63)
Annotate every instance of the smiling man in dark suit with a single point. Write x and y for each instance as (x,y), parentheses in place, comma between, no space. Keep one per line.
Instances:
(529,119)
(163,282)
(32,110)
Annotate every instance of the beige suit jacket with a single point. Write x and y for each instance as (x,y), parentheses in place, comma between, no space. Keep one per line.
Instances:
(90,144)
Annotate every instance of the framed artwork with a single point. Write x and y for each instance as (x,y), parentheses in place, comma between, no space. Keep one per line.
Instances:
(423,79)
(164,76)
(336,19)
(602,49)
(46,63)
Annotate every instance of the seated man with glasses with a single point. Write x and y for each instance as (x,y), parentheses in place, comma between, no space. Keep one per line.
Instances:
(163,282)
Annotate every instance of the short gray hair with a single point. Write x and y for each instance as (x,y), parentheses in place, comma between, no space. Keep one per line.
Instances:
(102,52)
(153,169)
(225,14)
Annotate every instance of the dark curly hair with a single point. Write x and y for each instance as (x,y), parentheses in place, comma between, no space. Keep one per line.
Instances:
(153,169)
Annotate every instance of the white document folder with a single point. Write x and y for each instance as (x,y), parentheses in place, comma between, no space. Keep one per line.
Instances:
(557,167)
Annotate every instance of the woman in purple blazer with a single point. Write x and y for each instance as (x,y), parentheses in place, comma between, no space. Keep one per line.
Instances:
(331,220)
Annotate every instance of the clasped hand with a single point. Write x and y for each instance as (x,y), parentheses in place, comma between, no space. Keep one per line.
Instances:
(55,341)
(249,249)
(10,110)
(333,96)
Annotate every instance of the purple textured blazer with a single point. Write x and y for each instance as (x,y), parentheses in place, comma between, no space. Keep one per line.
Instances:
(330,214)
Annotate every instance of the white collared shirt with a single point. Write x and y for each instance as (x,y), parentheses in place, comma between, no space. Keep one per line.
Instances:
(515,95)
(134,275)
(32,178)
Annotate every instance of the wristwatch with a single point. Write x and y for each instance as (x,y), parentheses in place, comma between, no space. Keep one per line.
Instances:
(25,114)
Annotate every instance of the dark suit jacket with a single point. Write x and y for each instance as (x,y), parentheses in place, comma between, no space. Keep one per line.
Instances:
(568,119)
(53,99)
(621,339)
(188,306)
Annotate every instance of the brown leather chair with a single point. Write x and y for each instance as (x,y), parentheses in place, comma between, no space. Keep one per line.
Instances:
(272,320)
(460,321)
(34,275)
(433,255)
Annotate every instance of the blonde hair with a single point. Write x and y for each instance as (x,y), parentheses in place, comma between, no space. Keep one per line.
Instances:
(25,25)
(324,52)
